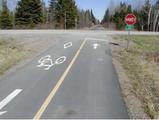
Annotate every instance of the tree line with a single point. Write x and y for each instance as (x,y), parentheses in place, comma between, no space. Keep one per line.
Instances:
(60,14)
(86,18)
(147,15)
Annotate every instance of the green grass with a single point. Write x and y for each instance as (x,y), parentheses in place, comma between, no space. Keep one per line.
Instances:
(140,71)
(10,54)
(146,43)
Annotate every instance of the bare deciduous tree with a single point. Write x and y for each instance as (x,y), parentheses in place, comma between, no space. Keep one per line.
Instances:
(156,16)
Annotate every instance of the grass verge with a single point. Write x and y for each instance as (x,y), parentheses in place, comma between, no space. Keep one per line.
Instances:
(141,63)
(10,54)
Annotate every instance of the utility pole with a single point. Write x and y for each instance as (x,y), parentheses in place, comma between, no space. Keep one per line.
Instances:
(65,16)
(14,19)
(65,20)
(43,9)
(75,23)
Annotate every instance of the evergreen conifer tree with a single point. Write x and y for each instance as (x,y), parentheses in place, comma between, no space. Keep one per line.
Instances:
(29,13)
(106,17)
(93,19)
(66,13)
(5,19)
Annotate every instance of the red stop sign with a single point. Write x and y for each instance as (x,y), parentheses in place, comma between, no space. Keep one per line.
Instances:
(130,19)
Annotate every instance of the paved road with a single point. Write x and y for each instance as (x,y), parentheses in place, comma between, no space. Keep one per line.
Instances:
(40,33)
(74,78)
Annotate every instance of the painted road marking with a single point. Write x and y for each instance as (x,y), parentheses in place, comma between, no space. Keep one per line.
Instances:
(8,99)
(45,61)
(60,60)
(4,112)
(95,45)
(57,86)
(67,45)
(96,39)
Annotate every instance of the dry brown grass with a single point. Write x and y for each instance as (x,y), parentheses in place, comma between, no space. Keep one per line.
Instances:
(10,54)
(141,64)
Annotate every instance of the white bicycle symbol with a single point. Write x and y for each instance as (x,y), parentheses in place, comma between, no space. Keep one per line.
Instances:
(47,62)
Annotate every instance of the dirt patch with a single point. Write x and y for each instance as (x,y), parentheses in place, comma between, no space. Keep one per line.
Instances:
(152,57)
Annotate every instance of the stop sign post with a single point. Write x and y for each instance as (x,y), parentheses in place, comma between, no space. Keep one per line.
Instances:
(130,20)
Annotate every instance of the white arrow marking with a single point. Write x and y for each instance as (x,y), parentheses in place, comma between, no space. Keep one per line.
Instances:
(95,45)
(67,45)
(1,113)
(8,99)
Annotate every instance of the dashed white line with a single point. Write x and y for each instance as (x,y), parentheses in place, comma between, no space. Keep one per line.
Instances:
(4,112)
(8,99)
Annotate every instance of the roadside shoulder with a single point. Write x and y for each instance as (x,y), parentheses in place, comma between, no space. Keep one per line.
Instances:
(33,54)
(134,105)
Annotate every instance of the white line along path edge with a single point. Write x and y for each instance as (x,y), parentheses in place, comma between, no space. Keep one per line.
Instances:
(8,99)
(67,45)
(96,39)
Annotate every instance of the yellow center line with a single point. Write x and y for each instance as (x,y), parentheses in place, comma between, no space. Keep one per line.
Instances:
(57,86)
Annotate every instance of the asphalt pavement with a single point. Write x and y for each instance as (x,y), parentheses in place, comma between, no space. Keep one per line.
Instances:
(74,78)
